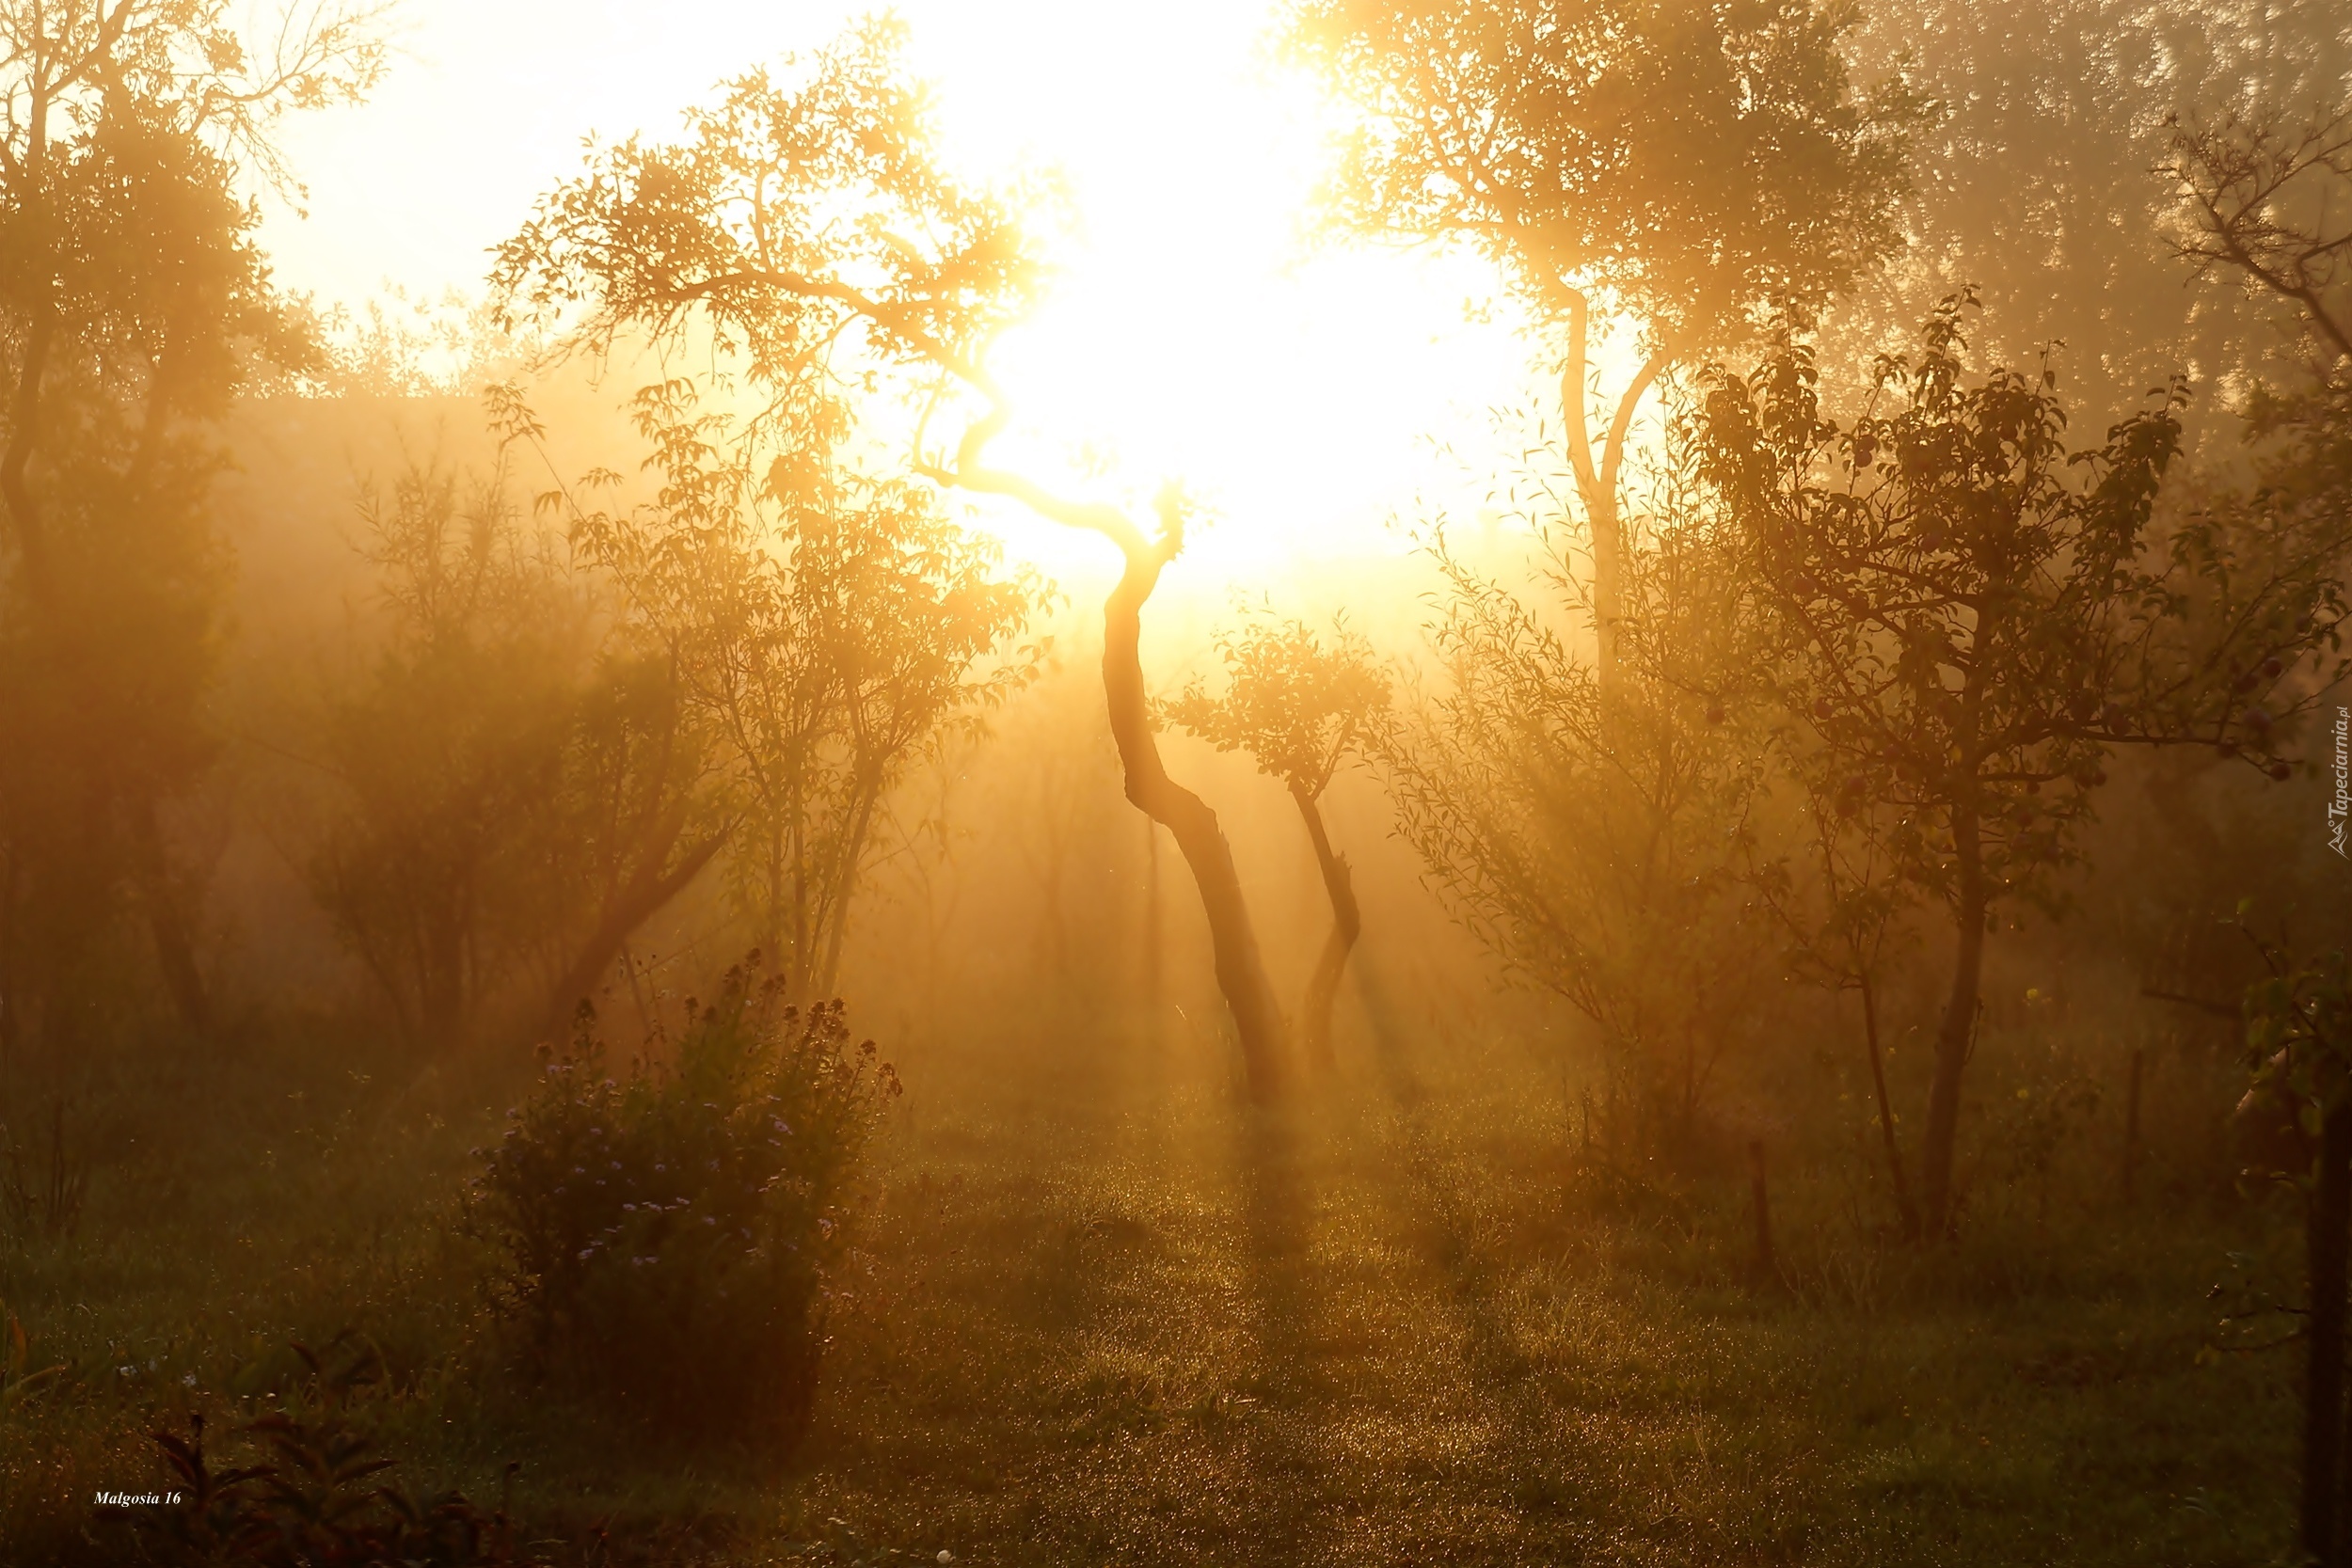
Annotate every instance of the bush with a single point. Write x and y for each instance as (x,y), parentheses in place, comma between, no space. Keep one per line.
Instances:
(668,1237)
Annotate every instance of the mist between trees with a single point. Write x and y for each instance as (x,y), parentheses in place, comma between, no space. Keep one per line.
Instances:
(1933,640)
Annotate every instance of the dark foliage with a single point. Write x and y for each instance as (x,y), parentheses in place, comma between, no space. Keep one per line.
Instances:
(670,1237)
(315,1501)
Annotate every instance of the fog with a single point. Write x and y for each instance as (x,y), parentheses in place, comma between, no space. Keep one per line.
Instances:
(1351,781)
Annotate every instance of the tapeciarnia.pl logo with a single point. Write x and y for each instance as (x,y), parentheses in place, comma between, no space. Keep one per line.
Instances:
(2342,803)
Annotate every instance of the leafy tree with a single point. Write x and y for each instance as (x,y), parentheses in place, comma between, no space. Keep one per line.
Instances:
(1597,842)
(1302,710)
(1844,910)
(2263,201)
(637,819)
(810,231)
(1967,616)
(827,628)
(521,788)
(2034,184)
(1686,168)
(449,745)
(132,302)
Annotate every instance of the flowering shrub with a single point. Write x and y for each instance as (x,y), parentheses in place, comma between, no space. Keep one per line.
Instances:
(667,1234)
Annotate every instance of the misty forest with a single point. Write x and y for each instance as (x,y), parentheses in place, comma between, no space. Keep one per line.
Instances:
(1411,782)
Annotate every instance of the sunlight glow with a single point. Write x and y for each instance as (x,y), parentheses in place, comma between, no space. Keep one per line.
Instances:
(1195,332)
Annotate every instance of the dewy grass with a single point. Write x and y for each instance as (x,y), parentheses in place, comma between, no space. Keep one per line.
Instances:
(1101,1314)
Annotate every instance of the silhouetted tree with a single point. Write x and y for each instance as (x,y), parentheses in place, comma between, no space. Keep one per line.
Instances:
(826,626)
(2266,202)
(132,304)
(1302,710)
(1683,168)
(1968,614)
(2299,1042)
(448,746)
(2034,180)
(521,787)
(1843,908)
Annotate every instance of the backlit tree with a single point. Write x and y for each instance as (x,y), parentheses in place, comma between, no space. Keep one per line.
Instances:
(1967,614)
(809,228)
(132,306)
(1302,710)
(1684,169)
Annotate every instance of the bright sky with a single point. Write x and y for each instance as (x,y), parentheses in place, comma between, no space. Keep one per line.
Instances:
(1194,334)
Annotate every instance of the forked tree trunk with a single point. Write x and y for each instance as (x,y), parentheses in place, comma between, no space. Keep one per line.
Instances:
(1958,1034)
(1347,924)
(1240,967)
(2327,1239)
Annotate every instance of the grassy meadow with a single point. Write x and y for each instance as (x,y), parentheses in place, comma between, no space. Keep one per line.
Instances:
(1101,1313)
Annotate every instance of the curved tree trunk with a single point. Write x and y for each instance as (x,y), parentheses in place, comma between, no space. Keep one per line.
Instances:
(1959,1028)
(654,885)
(1314,1023)
(1597,481)
(835,915)
(1240,967)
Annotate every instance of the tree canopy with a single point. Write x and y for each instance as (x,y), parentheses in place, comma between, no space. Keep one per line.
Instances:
(1694,166)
